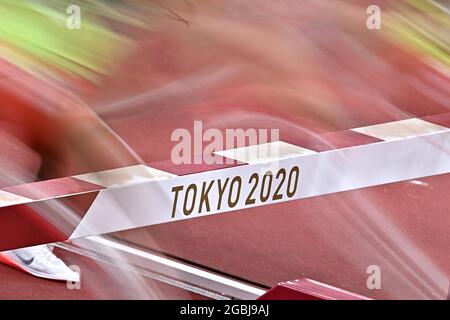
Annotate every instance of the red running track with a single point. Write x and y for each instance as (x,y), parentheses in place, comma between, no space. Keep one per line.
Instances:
(402,227)
(98,281)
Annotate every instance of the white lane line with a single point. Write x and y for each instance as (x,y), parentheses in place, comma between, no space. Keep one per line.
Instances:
(265,152)
(402,129)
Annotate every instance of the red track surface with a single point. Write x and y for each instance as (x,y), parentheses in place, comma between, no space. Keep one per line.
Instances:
(402,227)
(98,281)
(332,238)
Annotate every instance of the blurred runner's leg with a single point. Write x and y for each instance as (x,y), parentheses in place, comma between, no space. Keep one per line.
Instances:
(58,126)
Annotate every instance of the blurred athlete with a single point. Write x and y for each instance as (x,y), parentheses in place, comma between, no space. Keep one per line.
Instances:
(44,68)
(307,58)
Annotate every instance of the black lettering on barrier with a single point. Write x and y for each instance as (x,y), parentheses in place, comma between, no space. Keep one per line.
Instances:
(221,191)
(187,211)
(265,197)
(234,188)
(250,199)
(278,195)
(204,198)
(232,204)
(295,170)
(176,189)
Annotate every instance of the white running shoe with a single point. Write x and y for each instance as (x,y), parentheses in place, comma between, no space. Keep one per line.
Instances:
(40,262)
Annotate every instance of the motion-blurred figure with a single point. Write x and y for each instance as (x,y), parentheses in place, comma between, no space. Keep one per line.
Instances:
(43,67)
(305,58)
